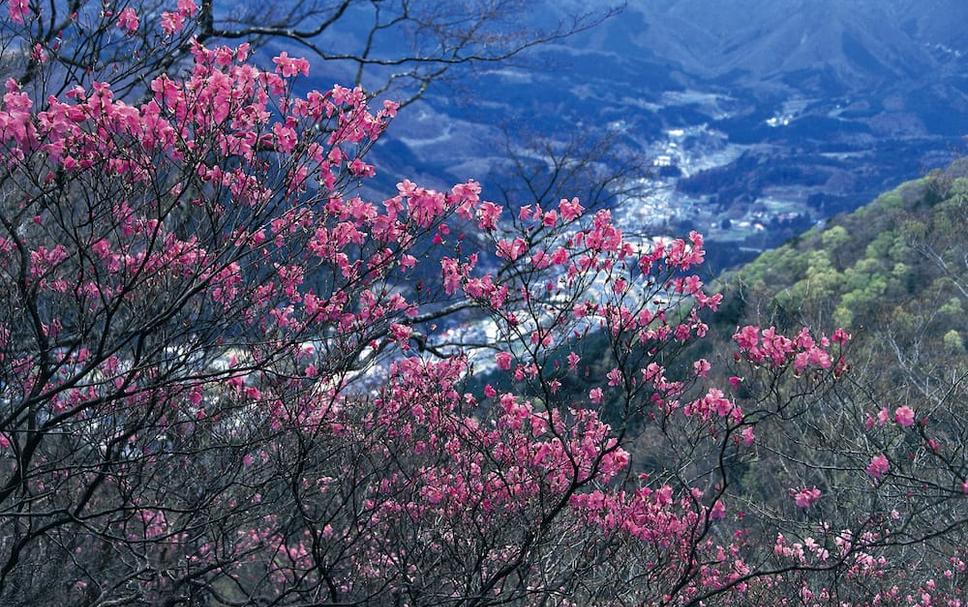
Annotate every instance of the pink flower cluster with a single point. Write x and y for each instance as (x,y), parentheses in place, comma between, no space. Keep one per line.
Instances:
(878,466)
(767,347)
(805,497)
(172,22)
(524,453)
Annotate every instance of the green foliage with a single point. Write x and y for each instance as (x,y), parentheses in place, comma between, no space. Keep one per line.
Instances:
(889,268)
(952,308)
(953,342)
(834,238)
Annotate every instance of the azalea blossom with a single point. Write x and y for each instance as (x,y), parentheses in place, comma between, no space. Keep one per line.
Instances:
(904,416)
(701,367)
(290,66)
(128,20)
(805,497)
(18,10)
(172,22)
(878,466)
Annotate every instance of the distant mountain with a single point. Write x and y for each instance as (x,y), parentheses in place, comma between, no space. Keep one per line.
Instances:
(852,44)
(902,64)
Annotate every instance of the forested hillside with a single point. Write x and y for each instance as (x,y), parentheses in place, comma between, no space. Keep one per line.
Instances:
(895,272)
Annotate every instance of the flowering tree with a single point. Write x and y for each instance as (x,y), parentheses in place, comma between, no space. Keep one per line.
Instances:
(227,379)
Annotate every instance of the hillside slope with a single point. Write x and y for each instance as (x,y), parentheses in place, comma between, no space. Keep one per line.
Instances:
(895,272)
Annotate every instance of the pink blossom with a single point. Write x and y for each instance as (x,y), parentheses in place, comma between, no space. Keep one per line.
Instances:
(614,377)
(904,416)
(882,416)
(290,66)
(805,497)
(595,395)
(511,249)
(840,336)
(18,10)
(747,337)
(559,256)
(401,333)
(172,22)
(187,8)
(128,20)
(878,466)
(38,54)
(488,214)
(550,219)
(503,361)
(701,367)
(570,209)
